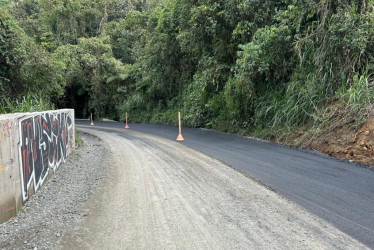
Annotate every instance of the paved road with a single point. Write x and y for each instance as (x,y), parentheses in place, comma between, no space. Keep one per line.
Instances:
(159,194)
(339,192)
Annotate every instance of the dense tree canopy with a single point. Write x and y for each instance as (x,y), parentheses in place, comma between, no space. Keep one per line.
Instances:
(226,64)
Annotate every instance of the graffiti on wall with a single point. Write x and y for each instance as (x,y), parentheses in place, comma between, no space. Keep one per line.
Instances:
(44,141)
(6,128)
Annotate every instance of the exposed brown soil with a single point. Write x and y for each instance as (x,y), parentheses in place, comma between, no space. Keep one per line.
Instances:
(341,141)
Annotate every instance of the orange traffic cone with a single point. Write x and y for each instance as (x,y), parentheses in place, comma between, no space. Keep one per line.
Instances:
(180,137)
(91,120)
(127,126)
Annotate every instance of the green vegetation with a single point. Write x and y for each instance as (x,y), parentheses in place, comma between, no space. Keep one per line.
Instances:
(78,141)
(249,66)
(28,103)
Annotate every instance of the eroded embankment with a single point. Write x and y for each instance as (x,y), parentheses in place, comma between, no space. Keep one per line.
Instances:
(341,141)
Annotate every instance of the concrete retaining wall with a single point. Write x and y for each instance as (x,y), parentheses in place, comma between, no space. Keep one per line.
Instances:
(32,147)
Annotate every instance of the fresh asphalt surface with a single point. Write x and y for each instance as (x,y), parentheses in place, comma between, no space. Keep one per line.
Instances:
(337,191)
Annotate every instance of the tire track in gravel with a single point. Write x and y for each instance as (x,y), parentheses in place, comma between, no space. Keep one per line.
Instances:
(160,194)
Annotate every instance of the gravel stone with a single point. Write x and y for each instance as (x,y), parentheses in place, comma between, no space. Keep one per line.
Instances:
(54,208)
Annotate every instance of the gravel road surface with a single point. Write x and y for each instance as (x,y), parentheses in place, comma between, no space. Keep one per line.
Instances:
(337,191)
(53,209)
(162,195)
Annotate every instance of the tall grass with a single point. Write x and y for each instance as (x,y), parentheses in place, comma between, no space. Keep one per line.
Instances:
(359,95)
(29,103)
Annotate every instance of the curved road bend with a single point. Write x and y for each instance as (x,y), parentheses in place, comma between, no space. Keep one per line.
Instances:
(339,192)
(160,194)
